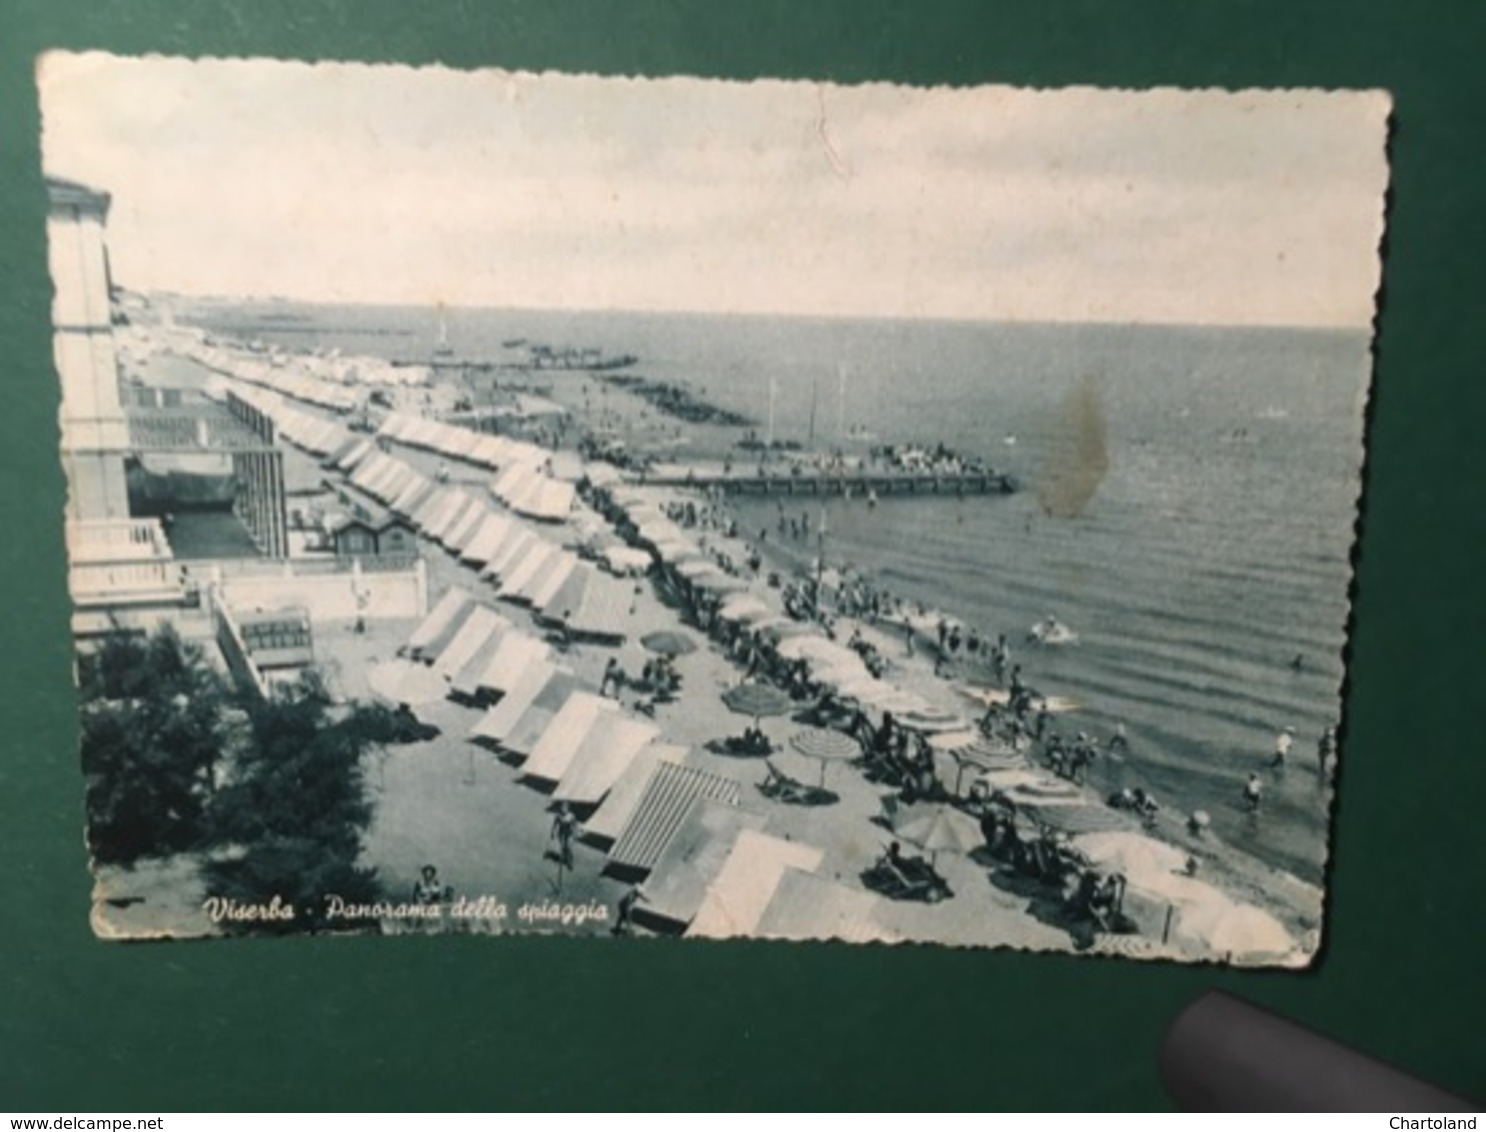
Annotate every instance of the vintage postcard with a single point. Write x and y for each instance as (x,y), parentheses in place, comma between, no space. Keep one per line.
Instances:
(664,507)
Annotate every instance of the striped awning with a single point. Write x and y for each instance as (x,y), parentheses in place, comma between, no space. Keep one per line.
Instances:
(663,807)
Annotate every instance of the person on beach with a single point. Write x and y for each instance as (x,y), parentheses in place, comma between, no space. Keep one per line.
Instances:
(1017,688)
(1119,741)
(1001,659)
(1282,744)
(1326,749)
(624,910)
(428,889)
(1040,725)
(613,675)
(1253,793)
(563,825)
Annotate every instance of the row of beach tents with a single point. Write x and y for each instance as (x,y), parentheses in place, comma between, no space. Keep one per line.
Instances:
(522,567)
(707,864)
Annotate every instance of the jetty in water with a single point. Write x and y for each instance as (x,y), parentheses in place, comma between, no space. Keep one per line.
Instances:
(850,483)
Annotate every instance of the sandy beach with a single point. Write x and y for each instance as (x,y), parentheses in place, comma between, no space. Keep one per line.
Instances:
(488,828)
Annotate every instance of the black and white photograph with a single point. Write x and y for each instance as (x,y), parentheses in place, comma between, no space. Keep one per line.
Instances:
(673,507)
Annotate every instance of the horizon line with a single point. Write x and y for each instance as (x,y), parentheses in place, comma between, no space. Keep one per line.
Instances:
(816,316)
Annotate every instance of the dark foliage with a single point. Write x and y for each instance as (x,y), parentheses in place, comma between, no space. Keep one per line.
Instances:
(151,738)
(298,807)
(281,804)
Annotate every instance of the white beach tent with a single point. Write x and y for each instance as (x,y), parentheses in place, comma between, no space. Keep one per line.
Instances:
(606,823)
(739,895)
(424,433)
(693,859)
(607,609)
(482,624)
(507,552)
(389,481)
(550,579)
(428,507)
(444,611)
(554,751)
(538,555)
(449,524)
(539,714)
(368,469)
(455,503)
(489,452)
(546,499)
(498,722)
(669,795)
(516,655)
(806,906)
(465,684)
(559,605)
(492,532)
(346,455)
(510,480)
(413,496)
(510,555)
(397,426)
(463,532)
(602,757)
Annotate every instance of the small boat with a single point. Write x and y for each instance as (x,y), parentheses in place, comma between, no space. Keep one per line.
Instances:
(1051,631)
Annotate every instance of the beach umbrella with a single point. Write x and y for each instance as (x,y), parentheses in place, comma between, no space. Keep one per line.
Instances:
(903,702)
(693,568)
(1071,816)
(1230,930)
(1133,854)
(740,606)
(755,617)
(990,754)
(839,673)
(720,583)
(669,642)
(931,720)
(796,648)
(867,691)
(1009,780)
(953,741)
(940,827)
(676,551)
(785,628)
(986,755)
(1041,788)
(757,700)
(624,559)
(825,745)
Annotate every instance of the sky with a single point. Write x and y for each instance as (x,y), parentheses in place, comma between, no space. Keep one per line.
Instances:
(352,183)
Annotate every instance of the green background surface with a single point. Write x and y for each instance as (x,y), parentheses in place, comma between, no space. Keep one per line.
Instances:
(527,1022)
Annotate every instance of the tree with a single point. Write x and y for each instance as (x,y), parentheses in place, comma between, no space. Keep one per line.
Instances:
(298,808)
(151,738)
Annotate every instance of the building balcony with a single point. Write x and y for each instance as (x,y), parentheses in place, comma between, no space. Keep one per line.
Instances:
(116,540)
(121,562)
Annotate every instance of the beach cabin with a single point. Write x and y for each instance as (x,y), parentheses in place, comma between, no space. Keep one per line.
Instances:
(371,536)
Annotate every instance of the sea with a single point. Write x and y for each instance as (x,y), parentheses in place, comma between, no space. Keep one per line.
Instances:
(1204,560)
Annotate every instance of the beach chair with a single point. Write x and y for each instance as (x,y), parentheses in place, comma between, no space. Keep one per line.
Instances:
(782,788)
(911,879)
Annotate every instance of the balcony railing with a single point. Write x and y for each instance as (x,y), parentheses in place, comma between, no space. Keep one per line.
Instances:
(116,540)
(122,583)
